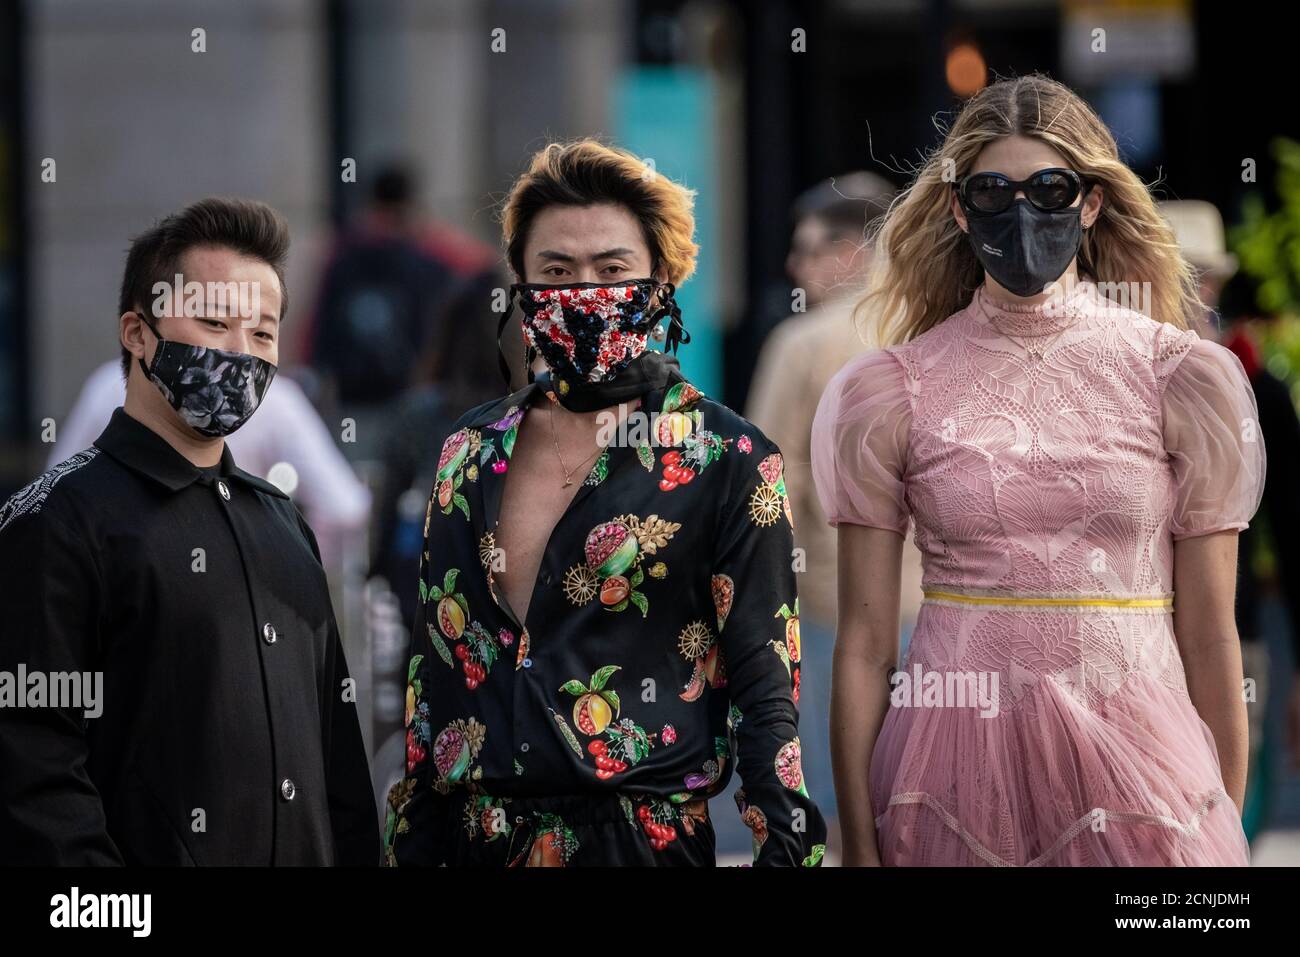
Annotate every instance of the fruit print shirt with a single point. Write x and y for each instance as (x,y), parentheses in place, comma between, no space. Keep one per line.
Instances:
(661,647)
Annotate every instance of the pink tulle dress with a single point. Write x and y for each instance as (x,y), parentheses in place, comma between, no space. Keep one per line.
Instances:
(1049,459)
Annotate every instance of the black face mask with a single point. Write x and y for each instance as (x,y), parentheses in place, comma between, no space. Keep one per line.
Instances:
(214,391)
(1024,247)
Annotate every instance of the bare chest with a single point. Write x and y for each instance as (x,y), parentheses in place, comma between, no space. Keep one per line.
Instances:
(533,500)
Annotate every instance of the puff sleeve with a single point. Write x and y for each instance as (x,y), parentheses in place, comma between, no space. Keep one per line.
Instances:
(1213,439)
(859,443)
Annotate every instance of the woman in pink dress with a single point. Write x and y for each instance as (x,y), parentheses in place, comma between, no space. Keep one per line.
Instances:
(1076,472)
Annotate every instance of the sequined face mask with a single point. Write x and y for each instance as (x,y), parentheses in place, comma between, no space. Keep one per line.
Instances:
(589,334)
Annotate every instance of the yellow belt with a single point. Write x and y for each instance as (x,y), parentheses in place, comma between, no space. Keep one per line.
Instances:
(1049,601)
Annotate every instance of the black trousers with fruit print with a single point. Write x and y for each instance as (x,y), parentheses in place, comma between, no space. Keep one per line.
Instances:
(476,830)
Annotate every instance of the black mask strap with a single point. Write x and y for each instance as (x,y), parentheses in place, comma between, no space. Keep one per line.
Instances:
(501,328)
(144,317)
(676,333)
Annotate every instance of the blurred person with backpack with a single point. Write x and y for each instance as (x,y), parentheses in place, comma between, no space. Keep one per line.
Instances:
(379,290)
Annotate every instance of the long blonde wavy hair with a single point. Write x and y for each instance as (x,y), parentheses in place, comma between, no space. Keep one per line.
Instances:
(924,269)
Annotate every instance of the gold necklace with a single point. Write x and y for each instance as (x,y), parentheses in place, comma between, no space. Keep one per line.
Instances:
(568,474)
(1035,352)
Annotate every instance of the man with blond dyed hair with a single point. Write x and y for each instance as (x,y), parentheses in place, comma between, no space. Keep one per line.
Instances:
(608,621)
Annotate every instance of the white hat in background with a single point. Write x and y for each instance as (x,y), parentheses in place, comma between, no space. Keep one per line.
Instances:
(1198,227)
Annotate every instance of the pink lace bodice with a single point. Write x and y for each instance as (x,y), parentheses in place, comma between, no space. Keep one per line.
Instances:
(1043,451)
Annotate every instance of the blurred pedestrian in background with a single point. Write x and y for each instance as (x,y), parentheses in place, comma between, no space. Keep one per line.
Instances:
(1231,304)
(830,260)
(1278,535)
(457,370)
(379,295)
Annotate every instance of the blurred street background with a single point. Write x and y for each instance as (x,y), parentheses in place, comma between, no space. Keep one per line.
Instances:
(376,125)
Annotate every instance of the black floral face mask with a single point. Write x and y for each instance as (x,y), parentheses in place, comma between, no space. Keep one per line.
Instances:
(214,391)
(587,331)
(592,336)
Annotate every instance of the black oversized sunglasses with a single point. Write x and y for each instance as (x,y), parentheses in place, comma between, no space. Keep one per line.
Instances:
(1050,190)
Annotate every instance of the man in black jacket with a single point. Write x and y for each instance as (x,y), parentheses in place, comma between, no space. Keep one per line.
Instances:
(172,685)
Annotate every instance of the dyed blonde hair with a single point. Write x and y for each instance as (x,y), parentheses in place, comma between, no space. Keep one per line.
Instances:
(925,270)
(587,172)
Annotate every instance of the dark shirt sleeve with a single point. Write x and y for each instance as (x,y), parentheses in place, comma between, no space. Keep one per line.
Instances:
(353,816)
(760,645)
(51,813)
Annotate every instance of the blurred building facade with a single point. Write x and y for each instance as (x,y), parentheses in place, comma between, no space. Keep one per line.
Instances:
(118,113)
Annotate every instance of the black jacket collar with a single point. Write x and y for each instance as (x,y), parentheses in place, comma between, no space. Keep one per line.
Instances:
(141,449)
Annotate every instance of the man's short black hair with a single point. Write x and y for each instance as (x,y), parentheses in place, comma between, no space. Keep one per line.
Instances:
(248,227)
(394,185)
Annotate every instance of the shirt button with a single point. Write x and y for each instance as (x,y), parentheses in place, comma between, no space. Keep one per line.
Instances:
(287,789)
(524,747)
(223,489)
(528,662)
(269,634)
